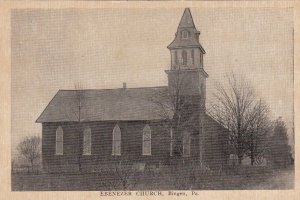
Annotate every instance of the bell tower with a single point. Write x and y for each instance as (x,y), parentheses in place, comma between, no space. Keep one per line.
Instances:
(186,74)
(187,78)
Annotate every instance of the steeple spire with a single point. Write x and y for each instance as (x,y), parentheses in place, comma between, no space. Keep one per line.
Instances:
(187,36)
(186,20)
(187,58)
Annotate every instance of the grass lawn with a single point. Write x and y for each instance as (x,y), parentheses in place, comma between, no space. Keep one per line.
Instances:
(239,178)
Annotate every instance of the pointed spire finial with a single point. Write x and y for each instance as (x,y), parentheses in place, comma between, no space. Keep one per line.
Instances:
(186,19)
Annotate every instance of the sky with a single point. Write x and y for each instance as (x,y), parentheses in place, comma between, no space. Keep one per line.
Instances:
(102,48)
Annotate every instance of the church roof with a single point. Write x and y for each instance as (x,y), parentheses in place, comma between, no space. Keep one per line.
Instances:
(106,104)
(187,23)
(130,104)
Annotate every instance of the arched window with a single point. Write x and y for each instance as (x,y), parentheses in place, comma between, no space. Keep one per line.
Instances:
(59,141)
(87,141)
(116,143)
(186,144)
(147,140)
(184,57)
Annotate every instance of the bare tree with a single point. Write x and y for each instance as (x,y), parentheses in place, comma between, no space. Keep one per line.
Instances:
(259,127)
(79,103)
(238,110)
(77,111)
(29,148)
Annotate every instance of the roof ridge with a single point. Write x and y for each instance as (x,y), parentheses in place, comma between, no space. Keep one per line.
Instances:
(112,88)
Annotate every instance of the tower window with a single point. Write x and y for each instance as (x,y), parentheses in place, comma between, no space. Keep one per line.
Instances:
(201,60)
(176,58)
(193,57)
(184,57)
(185,34)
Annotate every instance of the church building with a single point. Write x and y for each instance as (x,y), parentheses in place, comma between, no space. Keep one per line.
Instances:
(87,129)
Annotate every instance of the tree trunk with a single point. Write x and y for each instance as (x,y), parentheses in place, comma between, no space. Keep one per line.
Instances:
(240,148)
(79,163)
(80,150)
(32,167)
(124,184)
(252,149)
(177,143)
(252,159)
(252,154)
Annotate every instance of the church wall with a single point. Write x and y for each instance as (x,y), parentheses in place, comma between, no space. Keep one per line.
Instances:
(215,144)
(131,146)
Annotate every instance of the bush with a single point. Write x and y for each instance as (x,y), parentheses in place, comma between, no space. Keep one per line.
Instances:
(279,150)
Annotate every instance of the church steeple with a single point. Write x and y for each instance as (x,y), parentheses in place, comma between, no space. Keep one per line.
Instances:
(187,58)
(186,50)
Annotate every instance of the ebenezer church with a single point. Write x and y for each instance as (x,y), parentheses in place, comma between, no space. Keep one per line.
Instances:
(85,129)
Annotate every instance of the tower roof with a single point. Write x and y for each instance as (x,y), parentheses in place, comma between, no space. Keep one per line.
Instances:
(186,24)
(187,19)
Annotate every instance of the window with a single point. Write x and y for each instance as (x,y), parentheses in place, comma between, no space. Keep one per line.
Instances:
(59,141)
(87,141)
(193,59)
(147,140)
(183,57)
(185,34)
(186,144)
(202,90)
(176,58)
(116,144)
(201,60)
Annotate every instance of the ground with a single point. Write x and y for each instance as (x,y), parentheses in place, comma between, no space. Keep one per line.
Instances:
(283,180)
(237,178)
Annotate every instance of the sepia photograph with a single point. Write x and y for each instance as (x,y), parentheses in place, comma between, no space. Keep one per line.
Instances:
(136,99)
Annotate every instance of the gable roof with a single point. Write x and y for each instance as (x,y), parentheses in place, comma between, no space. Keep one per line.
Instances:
(130,104)
(106,104)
